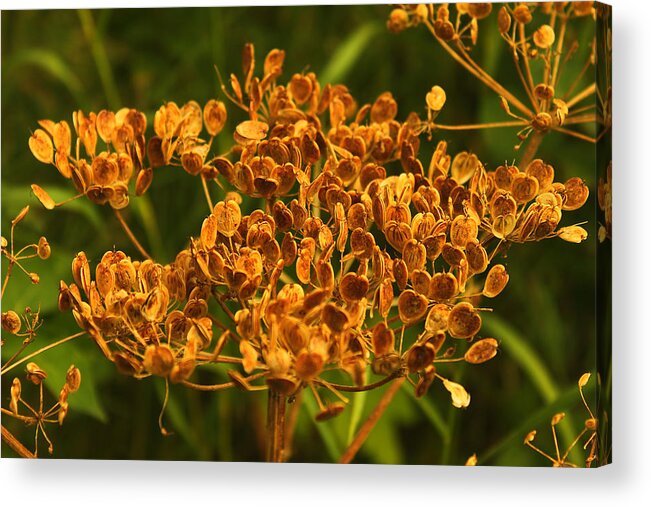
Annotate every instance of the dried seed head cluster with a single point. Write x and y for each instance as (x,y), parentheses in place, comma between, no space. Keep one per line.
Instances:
(540,39)
(590,428)
(358,241)
(26,326)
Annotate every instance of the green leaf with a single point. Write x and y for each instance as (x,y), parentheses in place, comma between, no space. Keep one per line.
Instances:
(345,57)
(49,62)
(325,430)
(514,344)
(429,410)
(565,401)
(14,198)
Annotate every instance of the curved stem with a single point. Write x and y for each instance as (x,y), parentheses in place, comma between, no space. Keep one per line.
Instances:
(370,423)
(478,126)
(359,389)
(13,442)
(41,350)
(132,236)
(7,275)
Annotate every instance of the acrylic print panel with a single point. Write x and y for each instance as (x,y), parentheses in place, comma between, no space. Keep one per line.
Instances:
(355,234)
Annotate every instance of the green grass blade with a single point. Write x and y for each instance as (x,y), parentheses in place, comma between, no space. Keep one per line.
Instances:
(324,429)
(49,62)
(565,401)
(514,344)
(349,52)
(430,411)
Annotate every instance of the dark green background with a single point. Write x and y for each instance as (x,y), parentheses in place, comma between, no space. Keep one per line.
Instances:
(52,64)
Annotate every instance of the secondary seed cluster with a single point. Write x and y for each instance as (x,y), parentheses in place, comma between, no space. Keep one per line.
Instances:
(357,241)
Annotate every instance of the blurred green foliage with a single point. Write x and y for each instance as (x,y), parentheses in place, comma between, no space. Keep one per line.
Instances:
(54,62)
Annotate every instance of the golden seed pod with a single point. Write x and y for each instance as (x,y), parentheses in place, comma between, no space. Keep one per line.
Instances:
(35,374)
(382,339)
(43,248)
(460,397)
(420,280)
(583,8)
(308,365)
(463,321)
(40,144)
(503,20)
(34,278)
(398,20)
(214,116)
(522,14)
(159,360)
(576,194)
(353,287)
(437,319)
(384,109)
(471,461)
(335,318)
(400,273)
(330,411)
(477,257)
(443,286)
(4,243)
(385,298)
(542,122)
(503,225)
(544,37)
(543,172)
(591,424)
(435,98)
(43,197)
(192,162)
(105,123)
(415,255)
(252,130)
(420,356)
(19,218)
(524,188)
(411,306)
(544,91)
(462,230)
(444,29)
(73,378)
(228,217)
(105,169)
(529,437)
(283,384)
(387,364)
(584,380)
(573,234)
(62,137)
(425,381)
(479,10)
(81,271)
(61,415)
(182,370)
(557,418)
(481,351)
(464,166)
(209,232)
(16,389)
(496,280)
(143,181)
(11,322)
